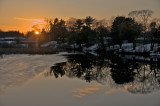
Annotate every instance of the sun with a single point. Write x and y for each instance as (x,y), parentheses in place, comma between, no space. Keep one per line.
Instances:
(37,32)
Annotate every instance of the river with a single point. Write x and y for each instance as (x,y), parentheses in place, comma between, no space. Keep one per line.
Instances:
(79,80)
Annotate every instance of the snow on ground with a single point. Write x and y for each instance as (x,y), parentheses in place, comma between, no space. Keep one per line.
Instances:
(51,43)
(15,70)
(9,42)
(74,46)
(128,47)
(54,44)
(143,48)
(91,48)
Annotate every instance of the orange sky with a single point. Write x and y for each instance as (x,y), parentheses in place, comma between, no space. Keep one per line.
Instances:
(23,14)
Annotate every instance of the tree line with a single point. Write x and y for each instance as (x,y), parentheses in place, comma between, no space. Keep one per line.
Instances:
(89,31)
(11,34)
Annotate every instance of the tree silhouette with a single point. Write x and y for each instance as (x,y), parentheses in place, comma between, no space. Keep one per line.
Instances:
(89,21)
(153,34)
(142,16)
(101,32)
(58,30)
(124,29)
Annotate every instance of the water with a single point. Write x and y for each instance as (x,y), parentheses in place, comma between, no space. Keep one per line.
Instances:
(79,80)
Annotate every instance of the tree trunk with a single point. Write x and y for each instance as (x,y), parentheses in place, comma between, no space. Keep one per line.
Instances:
(152,44)
(120,45)
(134,45)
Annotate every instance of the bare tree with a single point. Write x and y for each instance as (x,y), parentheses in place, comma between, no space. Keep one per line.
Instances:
(47,26)
(141,16)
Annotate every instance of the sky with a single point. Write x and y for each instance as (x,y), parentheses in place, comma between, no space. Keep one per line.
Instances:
(23,14)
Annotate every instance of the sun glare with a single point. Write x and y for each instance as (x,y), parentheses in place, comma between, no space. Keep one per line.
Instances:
(37,32)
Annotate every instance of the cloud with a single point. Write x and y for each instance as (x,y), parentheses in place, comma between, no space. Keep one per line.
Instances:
(41,21)
(30,23)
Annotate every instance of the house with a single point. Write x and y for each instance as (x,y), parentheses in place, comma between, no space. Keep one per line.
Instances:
(9,42)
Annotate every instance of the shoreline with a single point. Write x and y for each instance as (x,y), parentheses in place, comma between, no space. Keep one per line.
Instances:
(29,51)
(55,50)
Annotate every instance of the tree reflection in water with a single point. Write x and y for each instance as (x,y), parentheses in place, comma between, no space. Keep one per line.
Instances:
(141,75)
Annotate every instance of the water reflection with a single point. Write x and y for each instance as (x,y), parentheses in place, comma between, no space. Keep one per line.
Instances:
(133,73)
(81,92)
(16,70)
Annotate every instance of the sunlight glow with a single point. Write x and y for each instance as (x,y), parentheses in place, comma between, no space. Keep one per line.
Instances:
(37,32)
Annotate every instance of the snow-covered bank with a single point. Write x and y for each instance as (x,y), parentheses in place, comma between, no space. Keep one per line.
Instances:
(53,44)
(91,48)
(15,70)
(140,49)
(128,47)
(125,48)
(48,44)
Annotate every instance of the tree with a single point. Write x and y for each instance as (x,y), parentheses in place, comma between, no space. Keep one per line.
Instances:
(153,32)
(98,23)
(129,30)
(48,25)
(81,33)
(115,30)
(89,21)
(63,30)
(70,22)
(58,30)
(101,33)
(142,16)
(157,21)
(76,34)
(124,29)
(78,25)
(158,35)
(152,25)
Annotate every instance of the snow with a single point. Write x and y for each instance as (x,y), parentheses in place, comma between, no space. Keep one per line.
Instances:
(74,46)
(140,48)
(91,48)
(93,53)
(63,53)
(1,38)
(54,44)
(155,54)
(141,38)
(51,43)
(127,47)
(23,45)
(12,38)
(9,42)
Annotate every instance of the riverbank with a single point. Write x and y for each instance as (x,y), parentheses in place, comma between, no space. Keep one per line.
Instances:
(29,50)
